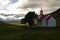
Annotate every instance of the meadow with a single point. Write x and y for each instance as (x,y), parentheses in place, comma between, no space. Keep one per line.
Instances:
(17,31)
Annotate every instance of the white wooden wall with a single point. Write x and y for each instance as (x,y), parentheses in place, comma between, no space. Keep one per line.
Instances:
(52,22)
(44,24)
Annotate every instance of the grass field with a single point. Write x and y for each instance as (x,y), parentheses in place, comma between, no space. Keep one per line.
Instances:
(9,31)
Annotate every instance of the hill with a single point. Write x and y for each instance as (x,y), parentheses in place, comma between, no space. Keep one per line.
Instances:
(15,32)
(3,24)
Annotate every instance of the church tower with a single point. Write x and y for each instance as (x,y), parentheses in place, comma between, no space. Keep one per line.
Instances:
(41,12)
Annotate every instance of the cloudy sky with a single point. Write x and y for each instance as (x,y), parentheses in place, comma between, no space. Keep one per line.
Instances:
(23,6)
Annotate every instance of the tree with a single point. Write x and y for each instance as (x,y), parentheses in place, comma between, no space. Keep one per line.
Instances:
(23,21)
(36,16)
(35,20)
(30,16)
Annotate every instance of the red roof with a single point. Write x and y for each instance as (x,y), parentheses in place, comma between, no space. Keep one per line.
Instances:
(48,17)
(42,17)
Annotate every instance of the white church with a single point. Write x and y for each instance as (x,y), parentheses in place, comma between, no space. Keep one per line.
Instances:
(46,20)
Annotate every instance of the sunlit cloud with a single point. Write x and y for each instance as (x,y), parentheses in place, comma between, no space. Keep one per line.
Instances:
(10,6)
(23,6)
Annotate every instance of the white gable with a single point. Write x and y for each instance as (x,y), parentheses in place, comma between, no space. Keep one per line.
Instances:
(51,22)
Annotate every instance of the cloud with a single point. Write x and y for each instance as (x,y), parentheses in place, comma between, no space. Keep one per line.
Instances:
(47,5)
(43,3)
(10,6)
(55,3)
(31,4)
(13,1)
(4,4)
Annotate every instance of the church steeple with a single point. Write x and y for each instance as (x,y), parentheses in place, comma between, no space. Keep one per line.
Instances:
(41,12)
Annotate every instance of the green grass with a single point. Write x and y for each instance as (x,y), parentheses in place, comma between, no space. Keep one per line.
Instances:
(16,32)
